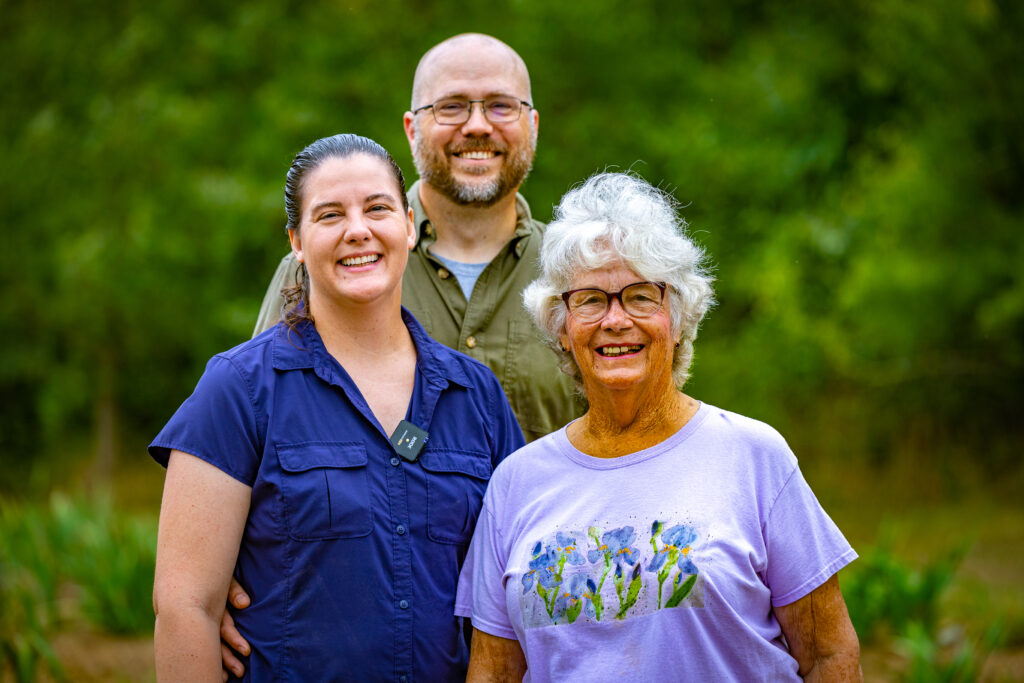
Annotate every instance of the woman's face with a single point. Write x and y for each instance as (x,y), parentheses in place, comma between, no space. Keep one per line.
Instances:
(619,352)
(355,234)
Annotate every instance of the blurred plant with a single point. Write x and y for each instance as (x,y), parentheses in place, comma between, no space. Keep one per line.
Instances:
(84,544)
(884,594)
(930,663)
(28,595)
(112,560)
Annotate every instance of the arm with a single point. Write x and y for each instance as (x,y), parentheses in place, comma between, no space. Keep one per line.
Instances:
(820,635)
(201,521)
(495,660)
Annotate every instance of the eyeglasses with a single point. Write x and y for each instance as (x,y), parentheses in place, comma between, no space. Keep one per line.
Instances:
(454,111)
(639,300)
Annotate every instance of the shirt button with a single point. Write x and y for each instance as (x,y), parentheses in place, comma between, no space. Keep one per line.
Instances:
(400,529)
(404,604)
(395,462)
(443,273)
(471,342)
(429,229)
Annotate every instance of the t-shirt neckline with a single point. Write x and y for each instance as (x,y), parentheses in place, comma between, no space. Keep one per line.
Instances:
(595,463)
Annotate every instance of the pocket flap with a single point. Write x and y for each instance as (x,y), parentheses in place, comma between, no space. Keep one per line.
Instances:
(299,457)
(473,463)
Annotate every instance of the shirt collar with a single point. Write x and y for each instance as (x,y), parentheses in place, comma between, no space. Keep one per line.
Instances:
(425,235)
(302,348)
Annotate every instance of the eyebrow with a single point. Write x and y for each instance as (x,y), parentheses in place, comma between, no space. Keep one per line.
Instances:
(368,199)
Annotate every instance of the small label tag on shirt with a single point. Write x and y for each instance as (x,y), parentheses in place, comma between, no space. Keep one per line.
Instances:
(408,440)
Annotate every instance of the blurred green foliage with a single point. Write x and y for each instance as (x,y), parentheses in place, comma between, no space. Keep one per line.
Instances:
(66,560)
(854,169)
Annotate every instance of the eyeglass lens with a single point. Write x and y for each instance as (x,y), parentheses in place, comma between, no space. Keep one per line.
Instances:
(498,109)
(641,300)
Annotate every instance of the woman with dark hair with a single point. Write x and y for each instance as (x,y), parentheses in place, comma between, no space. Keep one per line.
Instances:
(334,465)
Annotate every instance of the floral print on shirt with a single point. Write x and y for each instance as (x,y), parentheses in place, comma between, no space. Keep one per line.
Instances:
(604,575)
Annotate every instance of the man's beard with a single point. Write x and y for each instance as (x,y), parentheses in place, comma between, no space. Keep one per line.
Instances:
(435,170)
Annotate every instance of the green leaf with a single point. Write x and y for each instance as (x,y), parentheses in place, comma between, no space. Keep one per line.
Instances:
(574,611)
(681,591)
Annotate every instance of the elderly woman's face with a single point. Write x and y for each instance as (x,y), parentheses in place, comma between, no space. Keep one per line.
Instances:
(619,351)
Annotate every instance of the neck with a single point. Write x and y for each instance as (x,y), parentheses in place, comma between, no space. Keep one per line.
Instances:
(627,421)
(359,333)
(466,233)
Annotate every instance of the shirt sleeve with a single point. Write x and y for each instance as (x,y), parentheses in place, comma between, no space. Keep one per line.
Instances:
(481,592)
(804,545)
(217,423)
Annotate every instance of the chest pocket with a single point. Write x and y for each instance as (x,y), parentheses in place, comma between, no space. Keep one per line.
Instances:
(325,490)
(456,480)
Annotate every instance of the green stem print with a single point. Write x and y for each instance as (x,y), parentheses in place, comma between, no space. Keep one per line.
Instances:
(632,593)
(682,590)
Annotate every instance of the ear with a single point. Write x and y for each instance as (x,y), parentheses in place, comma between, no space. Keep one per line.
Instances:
(563,339)
(411,230)
(536,121)
(296,241)
(409,123)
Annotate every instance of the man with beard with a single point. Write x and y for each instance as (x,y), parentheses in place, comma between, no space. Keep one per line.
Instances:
(472,128)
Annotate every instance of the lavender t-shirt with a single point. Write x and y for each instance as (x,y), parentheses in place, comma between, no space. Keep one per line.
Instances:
(658,565)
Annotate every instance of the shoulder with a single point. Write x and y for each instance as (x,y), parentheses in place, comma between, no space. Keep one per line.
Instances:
(535,460)
(739,432)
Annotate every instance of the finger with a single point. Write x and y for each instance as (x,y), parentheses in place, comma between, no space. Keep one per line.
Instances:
(237,595)
(231,662)
(230,635)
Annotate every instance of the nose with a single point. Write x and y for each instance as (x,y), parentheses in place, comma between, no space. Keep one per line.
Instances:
(477,124)
(616,318)
(357,230)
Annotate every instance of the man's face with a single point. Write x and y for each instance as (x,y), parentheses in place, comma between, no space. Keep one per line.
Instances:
(478,162)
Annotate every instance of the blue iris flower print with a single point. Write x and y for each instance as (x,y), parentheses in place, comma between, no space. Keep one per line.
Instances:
(567,545)
(571,596)
(616,544)
(678,538)
(543,568)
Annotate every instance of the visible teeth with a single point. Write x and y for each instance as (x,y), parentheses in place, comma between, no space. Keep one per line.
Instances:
(619,350)
(360,260)
(476,155)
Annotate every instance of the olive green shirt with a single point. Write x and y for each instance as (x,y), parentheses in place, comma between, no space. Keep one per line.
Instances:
(492,326)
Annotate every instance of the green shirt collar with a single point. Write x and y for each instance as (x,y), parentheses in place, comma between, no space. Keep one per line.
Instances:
(425,233)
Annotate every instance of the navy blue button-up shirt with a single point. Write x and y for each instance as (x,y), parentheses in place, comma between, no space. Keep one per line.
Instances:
(351,555)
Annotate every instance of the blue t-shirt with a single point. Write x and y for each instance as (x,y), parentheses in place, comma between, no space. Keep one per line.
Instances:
(466,273)
(350,553)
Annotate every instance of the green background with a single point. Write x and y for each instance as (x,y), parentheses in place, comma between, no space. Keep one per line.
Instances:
(853,168)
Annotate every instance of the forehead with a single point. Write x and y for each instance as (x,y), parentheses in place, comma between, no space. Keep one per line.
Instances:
(611,277)
(351,178)
(473,71)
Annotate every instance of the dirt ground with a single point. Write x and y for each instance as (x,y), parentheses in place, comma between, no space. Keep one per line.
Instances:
(98,658)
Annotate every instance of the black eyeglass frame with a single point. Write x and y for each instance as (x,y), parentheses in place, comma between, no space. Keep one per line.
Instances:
(469,111)
(609,296)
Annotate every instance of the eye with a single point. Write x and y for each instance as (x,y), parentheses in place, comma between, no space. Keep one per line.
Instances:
(449,106)
(328,215)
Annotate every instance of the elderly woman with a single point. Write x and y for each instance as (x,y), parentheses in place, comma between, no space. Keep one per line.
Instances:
(656,537)
(299,465)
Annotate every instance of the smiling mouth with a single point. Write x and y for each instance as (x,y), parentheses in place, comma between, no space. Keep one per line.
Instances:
(613,351)
(479,155)
(360,260)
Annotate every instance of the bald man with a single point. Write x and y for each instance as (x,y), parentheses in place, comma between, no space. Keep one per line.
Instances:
(473,129)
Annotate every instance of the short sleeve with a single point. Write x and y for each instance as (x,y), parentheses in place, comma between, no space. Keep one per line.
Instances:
(481,591)
(217,423)
(804,545)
